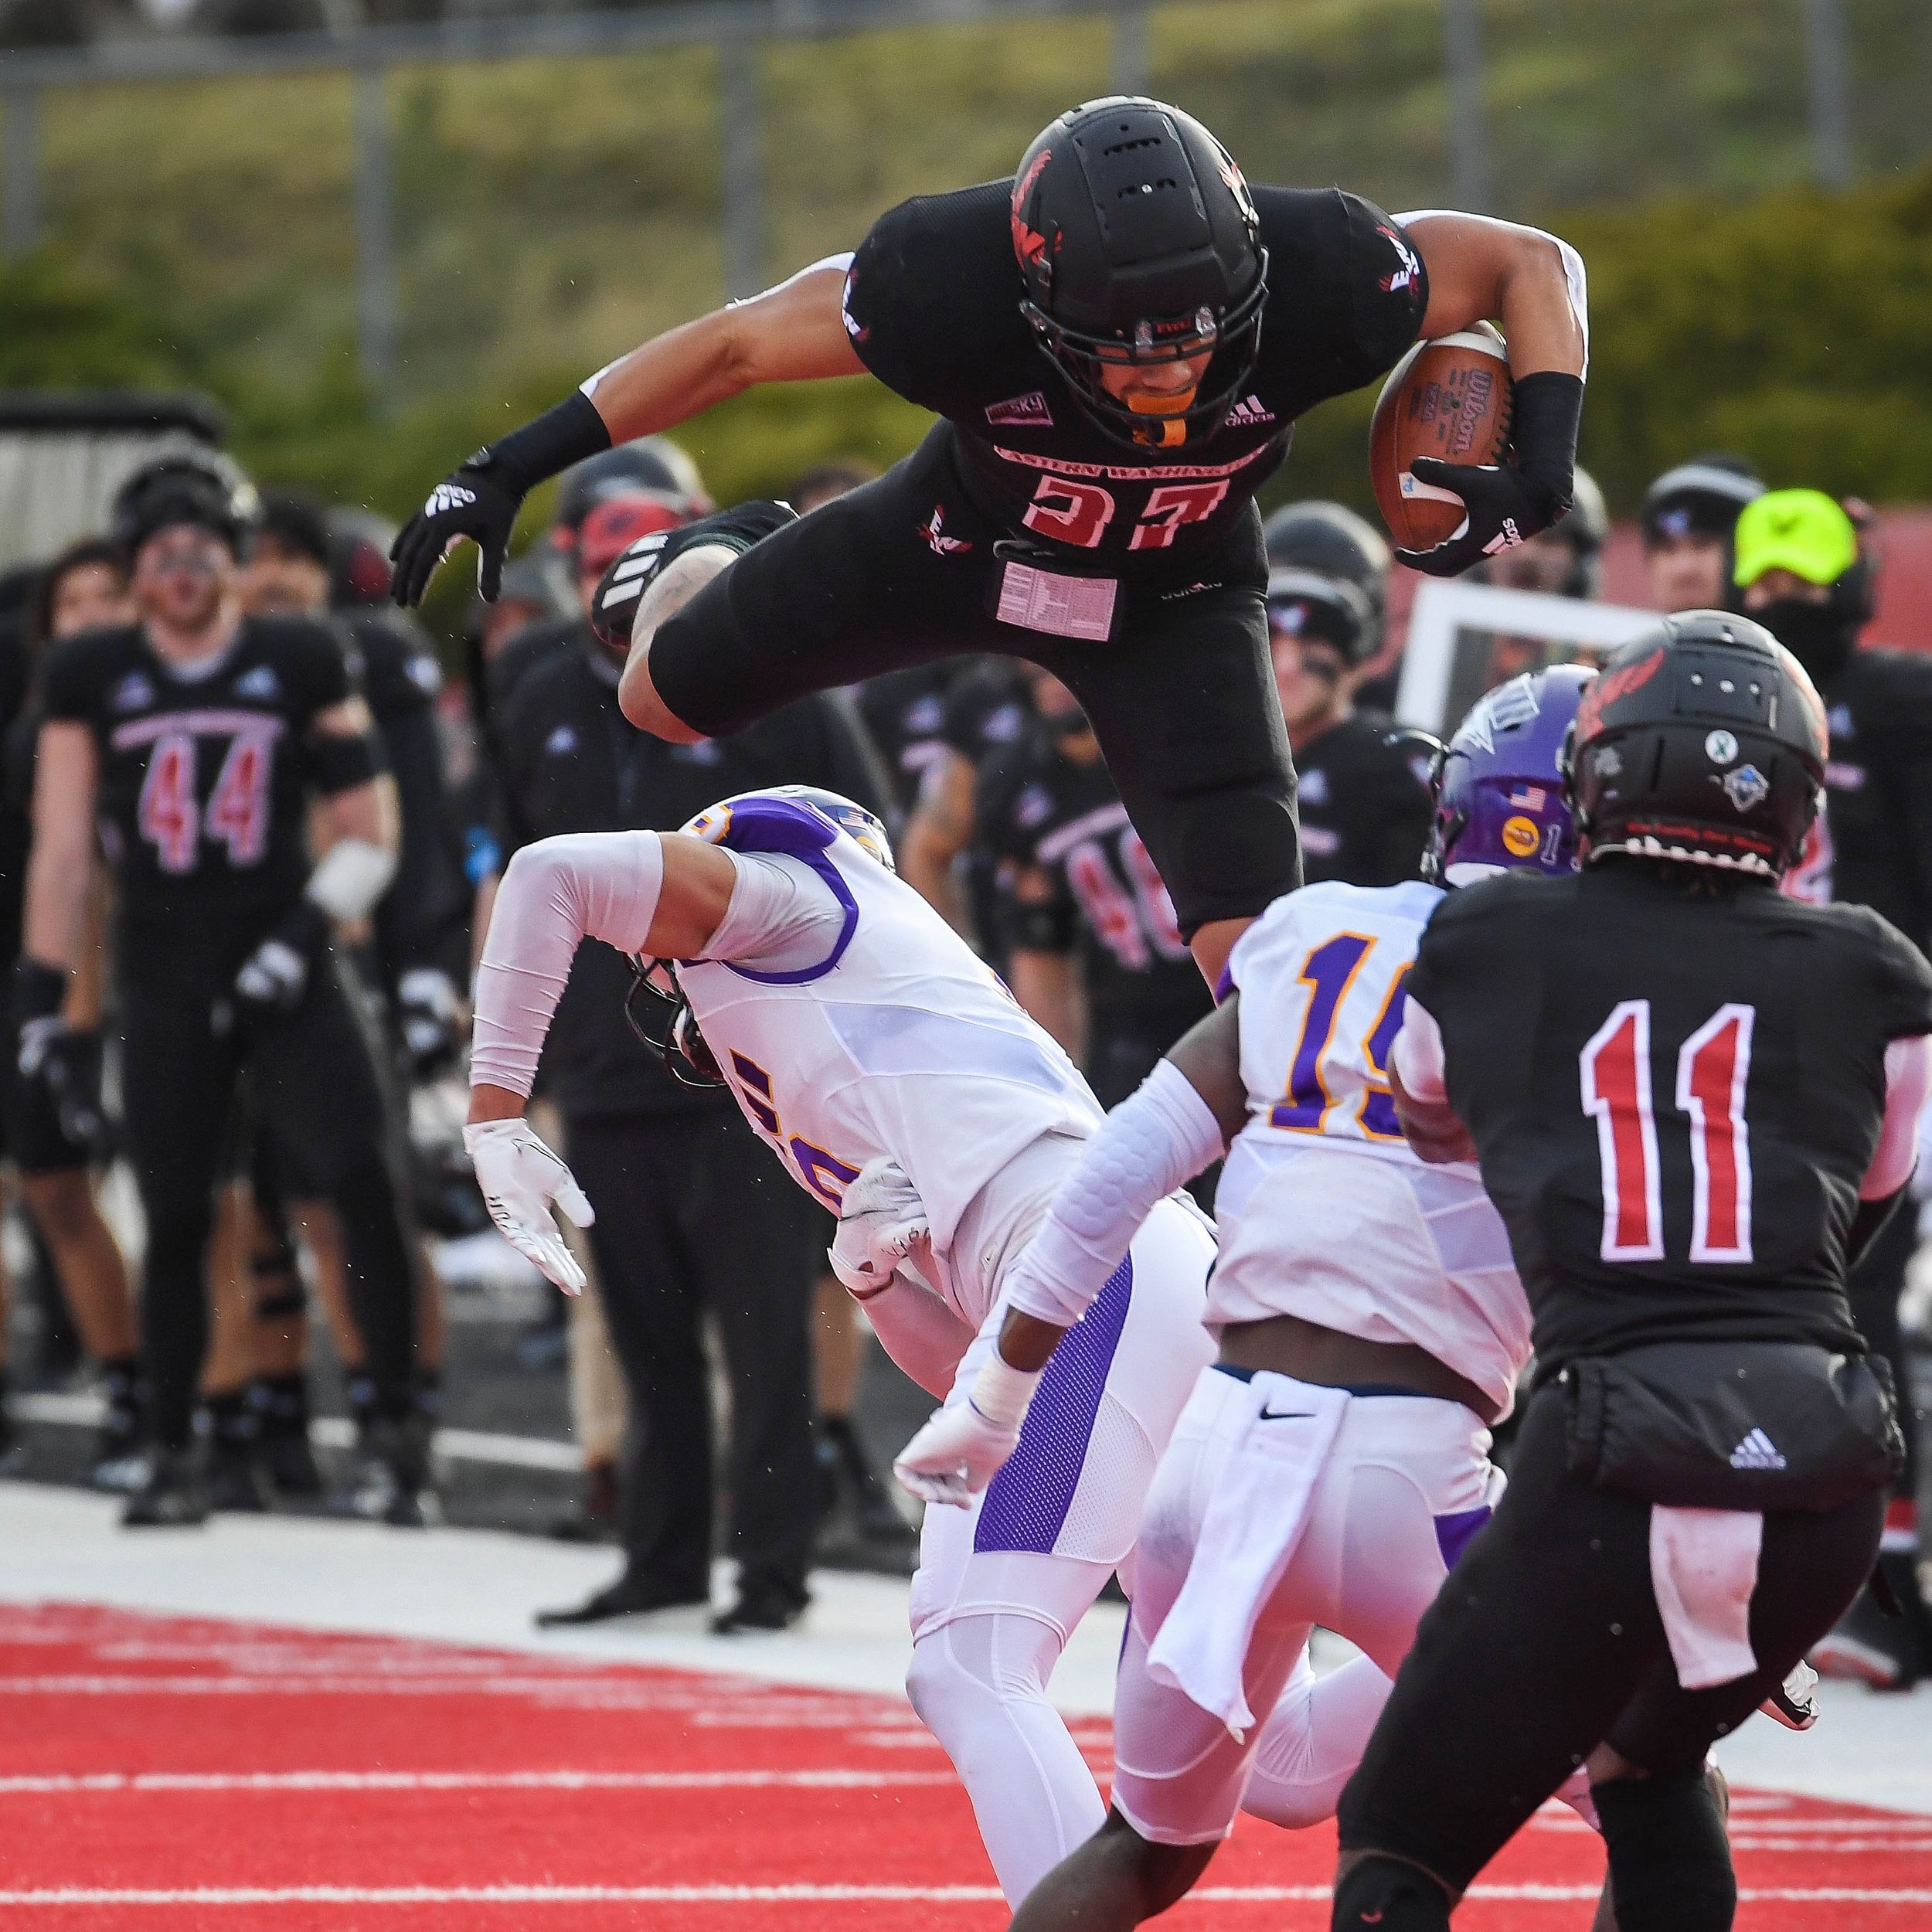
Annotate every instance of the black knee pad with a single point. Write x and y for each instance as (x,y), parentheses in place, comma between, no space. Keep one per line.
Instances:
(1390,1896)
(1670,1861)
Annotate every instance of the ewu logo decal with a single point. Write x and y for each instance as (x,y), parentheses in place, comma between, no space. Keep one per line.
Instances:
(1401,277)
(934,532)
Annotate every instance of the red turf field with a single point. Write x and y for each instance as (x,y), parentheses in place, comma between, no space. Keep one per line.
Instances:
(167,1773)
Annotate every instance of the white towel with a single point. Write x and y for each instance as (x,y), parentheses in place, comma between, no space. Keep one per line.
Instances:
(1703,1567)
(1274,1438)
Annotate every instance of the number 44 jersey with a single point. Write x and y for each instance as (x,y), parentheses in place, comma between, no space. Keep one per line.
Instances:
(1323,1211)
(1677,1088)
(202,787)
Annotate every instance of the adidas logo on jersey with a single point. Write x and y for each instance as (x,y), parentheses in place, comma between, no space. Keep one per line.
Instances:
(1020,411)
(261,682)
(135,692)
(562,742)
(1250,410)
(1756,1451)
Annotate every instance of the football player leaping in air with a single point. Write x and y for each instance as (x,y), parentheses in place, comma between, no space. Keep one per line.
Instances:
(1117,344)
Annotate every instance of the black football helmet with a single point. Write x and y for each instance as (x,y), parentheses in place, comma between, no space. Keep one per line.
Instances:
(1330,541)
(1703,741)
(1706,495)
(199,486)
(1138,242)
(1306,604)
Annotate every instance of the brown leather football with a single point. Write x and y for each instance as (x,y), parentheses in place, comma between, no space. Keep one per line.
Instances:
(1451,399)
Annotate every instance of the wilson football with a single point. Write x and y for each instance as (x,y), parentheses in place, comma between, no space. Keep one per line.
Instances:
(1451,399)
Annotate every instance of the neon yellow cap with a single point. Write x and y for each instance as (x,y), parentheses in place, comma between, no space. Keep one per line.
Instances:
(1801,531)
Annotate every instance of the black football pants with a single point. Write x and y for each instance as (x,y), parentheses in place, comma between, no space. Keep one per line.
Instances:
(1182,698)
(318,1099)
(696,1217)
(1545,1641)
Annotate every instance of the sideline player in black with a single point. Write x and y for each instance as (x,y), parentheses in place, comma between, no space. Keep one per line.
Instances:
(1118,344)
(1362,786)
(1803,573)
(1694,1101)
(199,737)
(1093,951)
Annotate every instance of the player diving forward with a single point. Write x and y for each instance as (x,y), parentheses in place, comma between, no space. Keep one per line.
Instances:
(901,1085)
(1331,1466)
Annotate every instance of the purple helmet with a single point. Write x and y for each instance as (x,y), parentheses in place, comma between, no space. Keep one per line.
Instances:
(1499,788)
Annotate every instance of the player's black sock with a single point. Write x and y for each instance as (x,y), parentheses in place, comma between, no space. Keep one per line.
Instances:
(232,1424)
(1390,1896)
(360,1391)
(1670,1862)
(428,1392)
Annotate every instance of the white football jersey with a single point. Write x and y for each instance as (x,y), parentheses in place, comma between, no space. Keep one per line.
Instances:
(893,1039)
(1324,1211)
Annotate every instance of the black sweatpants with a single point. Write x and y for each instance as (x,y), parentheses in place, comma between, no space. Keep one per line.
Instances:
(318,1099)
(695,1216)
(1182,697)
(1545,1641)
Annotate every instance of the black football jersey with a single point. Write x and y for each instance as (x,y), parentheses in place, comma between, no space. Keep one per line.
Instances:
(932,306)
(905,711)
(204,781)
(1035,808)
(1875,844)
(1363,795)
(1676,1087)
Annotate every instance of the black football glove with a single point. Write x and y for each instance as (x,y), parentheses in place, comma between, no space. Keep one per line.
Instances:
(480,500)
(274,978)
(66,1063)
(476,501)
(1509,503)
(614,608)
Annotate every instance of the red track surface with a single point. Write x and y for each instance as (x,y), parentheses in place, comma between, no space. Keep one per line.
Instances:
(166,1774)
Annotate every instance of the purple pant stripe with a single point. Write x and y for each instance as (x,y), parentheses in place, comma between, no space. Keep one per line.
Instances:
(1453,1533)
(1026,1503)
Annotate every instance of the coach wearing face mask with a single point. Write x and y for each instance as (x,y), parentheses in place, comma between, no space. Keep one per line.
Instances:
(1803,573)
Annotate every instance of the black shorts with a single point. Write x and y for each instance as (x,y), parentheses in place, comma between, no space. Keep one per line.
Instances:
(902,571)
(1545,1641)
(31,1135)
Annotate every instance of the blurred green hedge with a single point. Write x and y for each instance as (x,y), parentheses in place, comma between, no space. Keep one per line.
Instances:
(1795,328)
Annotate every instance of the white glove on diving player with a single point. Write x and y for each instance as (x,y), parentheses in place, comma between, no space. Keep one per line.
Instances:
(965,1444)
(521,1180)
(881,1220)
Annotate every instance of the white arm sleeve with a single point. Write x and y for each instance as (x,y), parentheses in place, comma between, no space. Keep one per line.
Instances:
(782,917)
(1418,1055)
(922,1336)
(1149,1145)
(1908,1081)
(602,885)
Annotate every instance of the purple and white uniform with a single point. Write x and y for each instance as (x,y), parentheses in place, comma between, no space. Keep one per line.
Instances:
(852,1023)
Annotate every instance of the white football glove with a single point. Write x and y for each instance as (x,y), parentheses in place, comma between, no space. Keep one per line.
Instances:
(964,1445)
(521,1180)
(881,1220)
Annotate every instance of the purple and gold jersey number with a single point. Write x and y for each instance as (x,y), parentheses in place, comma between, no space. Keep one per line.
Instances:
(823,1174)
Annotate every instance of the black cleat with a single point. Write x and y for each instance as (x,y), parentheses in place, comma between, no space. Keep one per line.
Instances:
(392,1483)
(171,1498)
(764,1602)
(634,1594)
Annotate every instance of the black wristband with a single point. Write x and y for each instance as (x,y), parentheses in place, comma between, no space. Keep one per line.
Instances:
(40,990)
(737,528)
(558,437)
(1549,406)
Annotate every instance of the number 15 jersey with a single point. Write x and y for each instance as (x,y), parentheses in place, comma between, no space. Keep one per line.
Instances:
(1323,1211)
(203,786)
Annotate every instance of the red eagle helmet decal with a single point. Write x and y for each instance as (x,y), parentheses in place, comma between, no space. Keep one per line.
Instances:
(1029,244)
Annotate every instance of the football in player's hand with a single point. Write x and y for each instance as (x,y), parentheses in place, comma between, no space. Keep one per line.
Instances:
(1450,399)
